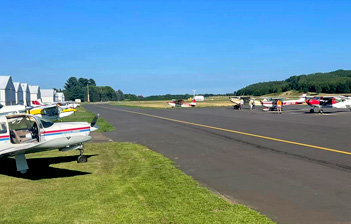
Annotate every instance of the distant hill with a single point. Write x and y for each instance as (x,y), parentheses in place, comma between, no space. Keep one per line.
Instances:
(332,82)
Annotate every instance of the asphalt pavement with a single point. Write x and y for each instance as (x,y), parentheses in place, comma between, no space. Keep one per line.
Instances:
(293,167)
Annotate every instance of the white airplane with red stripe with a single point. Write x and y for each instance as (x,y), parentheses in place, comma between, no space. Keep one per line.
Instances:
(22,134)
(181,103)
(270,103)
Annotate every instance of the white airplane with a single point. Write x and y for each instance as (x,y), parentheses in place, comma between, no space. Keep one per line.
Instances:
(181,103)
(21,134)
(237,100)
(73,105)
(271,103)
(53,111)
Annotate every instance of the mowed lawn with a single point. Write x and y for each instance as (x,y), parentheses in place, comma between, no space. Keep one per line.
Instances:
(121,183)
(83,115)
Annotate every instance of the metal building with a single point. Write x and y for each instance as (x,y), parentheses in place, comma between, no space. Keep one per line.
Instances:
(60,97)
(34,93)
(7,91)
(26,94)
(47,95)
(19,93)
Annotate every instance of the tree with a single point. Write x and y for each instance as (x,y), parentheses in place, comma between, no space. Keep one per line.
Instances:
(83,82)
(73,89)
(318,89)
(92,82)
(120,95)
(77,89)
(71,82)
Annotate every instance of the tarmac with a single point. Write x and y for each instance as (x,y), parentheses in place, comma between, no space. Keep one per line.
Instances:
(293,167)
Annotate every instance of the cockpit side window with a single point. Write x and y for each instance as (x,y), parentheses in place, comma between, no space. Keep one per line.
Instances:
(46,123)
(3,128)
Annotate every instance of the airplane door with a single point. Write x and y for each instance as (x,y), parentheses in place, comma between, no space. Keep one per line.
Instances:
(34,127)
(4,132)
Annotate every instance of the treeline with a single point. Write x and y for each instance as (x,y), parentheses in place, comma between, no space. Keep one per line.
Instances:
(77,89)
(133,97)
(332,82)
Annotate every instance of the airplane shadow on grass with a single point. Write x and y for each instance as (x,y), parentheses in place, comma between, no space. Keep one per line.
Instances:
(39,168)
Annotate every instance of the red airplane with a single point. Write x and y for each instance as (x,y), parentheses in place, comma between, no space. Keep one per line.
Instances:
(329,102)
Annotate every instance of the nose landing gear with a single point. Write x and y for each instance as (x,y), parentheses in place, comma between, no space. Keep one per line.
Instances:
(82,158)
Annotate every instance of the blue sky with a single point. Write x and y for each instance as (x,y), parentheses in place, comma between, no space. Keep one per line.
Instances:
(158,47)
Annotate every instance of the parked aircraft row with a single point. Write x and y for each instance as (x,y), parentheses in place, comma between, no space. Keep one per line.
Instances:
(26,124)
(320,102)
(53,111)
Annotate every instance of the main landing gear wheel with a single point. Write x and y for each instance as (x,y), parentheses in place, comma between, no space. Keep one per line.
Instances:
(311,111)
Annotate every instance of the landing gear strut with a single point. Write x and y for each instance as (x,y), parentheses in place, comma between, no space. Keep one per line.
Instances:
(82,158)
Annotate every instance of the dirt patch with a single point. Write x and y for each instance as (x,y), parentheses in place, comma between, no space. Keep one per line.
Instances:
(98,137)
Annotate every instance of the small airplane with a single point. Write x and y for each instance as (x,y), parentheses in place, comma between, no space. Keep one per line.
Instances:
(48,112)
(181,103)
(53,111)
(270,104)
(68,104)
(22,134)
(237,99)
(72,105)
(341,102)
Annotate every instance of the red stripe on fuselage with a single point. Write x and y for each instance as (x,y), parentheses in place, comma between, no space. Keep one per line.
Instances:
(72,129)
(5,136)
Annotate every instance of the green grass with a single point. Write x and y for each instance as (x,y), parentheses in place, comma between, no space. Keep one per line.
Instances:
(83,115)
(162,104)
(126,183)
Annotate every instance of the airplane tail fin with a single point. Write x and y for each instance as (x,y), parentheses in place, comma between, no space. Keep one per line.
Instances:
(193,103)
(302,99)
(37,103)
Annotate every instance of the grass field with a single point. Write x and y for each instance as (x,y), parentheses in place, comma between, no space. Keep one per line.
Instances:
(121,183)
(216,101)
(83,115)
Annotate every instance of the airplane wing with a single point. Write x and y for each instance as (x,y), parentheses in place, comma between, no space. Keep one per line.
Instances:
(56,143)
(18,149)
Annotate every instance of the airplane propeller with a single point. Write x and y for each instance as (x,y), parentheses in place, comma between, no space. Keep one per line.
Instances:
(94,120)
